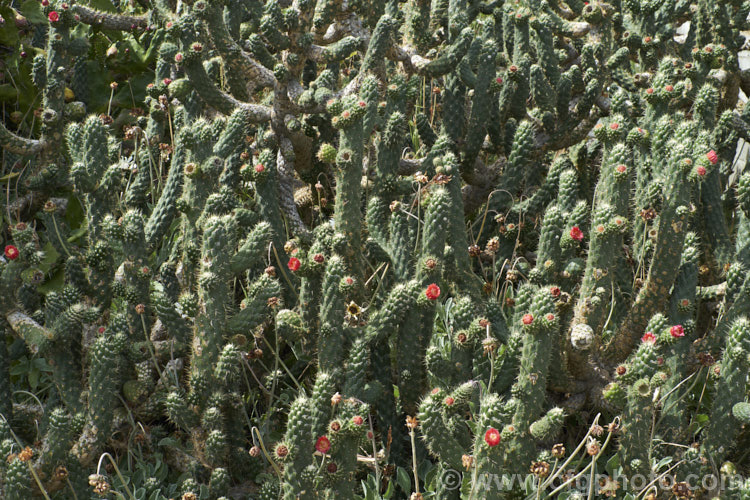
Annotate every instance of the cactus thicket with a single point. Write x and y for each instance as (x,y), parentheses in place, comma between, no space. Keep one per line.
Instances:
(324,249)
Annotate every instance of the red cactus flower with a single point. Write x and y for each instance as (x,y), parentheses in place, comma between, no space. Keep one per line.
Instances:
(449,401)
(649,91)
(432,292)
(499,80)
(669,88)
(555,291)
(293,264)
(492,437)
(11,252)
(701,171)
(712,157)
(677,331)
(550,317)
(435,391)
(576,233)
(323,444)
(260,168)
(53,16)
(527,319)
(648,338)
(621,168)
(167,81)
(614,126)
(358,420)
(318,257)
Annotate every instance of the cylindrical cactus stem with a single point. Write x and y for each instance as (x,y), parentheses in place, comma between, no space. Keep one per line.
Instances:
(310,297)
(666,257)
(17,480)
(296,450)
(165,210)
(682,310)
(403,236)
(635,442)
(219,234)
(19,145)
(333,308)
(489,448)
(540,327)
(723,426)
(103,390)
(548,427)
(253,249)
(549,254)
(57,440)
(462,276)
(440,438)
(137,272)
(263,297)
(346,432)
(6,389)
(480,109)
(347,212)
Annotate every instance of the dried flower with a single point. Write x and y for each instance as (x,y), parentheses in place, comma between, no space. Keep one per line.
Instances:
(336,399)
(411,422)
(540,469)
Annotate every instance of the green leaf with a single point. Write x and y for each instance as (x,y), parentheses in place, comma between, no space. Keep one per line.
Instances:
(74,212)
(74,235)
(664,462)
(50,257)
(389,491)
(403,479)
(10,176)
(612,464)
(41,365)
(34,379)
(8,30)
(54,284)
(8,93)
(32,10)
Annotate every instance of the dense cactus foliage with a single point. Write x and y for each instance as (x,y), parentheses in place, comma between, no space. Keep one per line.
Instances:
(374,249)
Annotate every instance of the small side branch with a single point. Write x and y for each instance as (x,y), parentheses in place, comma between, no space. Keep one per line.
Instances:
(109,21)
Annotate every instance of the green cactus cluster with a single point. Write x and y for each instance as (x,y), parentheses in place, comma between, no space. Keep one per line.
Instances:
(323,249)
